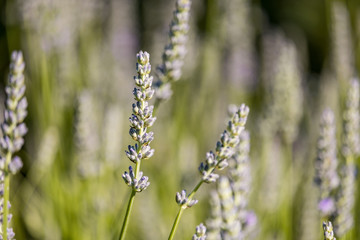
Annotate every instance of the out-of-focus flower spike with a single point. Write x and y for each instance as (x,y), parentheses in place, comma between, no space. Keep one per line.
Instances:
(326,163)
(200,232)
(173,56)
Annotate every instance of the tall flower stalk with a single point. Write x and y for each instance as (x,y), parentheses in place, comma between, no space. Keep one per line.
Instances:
(174,53)
(225,149)
(140,120)
(13,130)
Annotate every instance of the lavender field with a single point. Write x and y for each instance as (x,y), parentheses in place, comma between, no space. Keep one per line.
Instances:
(180,119)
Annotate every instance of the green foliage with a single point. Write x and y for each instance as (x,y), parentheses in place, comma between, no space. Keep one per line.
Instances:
(286,63)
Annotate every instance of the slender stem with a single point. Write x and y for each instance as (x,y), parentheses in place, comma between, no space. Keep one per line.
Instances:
(6,195)
(182,208)
(137,168)
(195,190)
(176,223)
(132,197)
(127,215)
(130,204)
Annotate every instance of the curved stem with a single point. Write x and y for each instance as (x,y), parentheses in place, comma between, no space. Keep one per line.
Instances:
(6,195)
(127,215)
(182,208)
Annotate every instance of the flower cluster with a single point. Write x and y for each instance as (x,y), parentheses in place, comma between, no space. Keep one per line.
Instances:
(326,164)
(183,200)
(13,131)
(225,148)
(13,128)
(140,120)
(138,183)
(328,231)
(174,52)
(200,232)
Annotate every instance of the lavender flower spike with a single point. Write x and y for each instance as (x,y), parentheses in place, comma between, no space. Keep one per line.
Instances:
(240,176)
(13,130)
(344,218)
(141,119)
(225,148)
(231,226)
(175,51)
(326,163)
(214,221)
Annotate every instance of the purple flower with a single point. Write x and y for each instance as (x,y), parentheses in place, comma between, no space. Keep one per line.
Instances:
(326,206)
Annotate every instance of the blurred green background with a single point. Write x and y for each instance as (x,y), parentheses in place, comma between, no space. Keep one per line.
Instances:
(80,61)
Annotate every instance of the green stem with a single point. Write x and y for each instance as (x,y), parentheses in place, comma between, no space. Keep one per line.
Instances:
(137,167)
(6,195)
(133,192)
(291,182)
(195,190)
(176,223)
(182,208)
(130,204)
(287,213)
(127,215)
